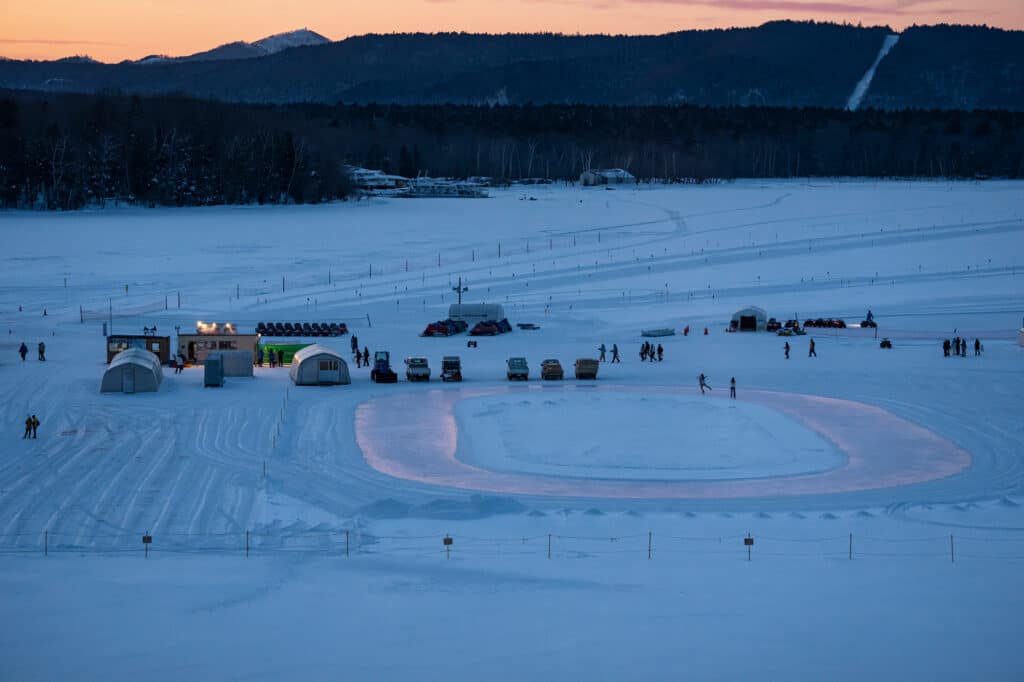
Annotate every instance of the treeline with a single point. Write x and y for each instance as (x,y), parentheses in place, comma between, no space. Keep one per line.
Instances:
(63,151)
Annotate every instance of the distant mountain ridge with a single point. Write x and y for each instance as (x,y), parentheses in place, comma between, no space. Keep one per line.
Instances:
(243,50)
(785,63)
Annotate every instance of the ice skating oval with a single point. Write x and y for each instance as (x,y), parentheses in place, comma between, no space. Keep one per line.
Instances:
(413,436)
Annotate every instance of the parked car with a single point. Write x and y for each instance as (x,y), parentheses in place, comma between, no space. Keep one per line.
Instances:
(517,369)
(551,370)
(451,368)
(586,368)
(417,369)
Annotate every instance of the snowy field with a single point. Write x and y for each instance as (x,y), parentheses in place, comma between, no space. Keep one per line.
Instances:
(597,530)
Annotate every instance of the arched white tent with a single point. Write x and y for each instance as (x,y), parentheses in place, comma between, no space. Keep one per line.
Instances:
(133,371)
(316,365)
(750,319)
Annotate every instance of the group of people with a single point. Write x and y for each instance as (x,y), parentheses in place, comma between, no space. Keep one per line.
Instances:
(41,349)
(702,382)
(362,359)
(648,352)
(615,352)
(274,358)
(31,425)
(959,347)
(811,350)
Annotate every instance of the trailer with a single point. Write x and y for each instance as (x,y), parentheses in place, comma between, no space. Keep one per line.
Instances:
(586,368)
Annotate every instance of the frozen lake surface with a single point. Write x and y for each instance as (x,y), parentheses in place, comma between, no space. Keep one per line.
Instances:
(597,530)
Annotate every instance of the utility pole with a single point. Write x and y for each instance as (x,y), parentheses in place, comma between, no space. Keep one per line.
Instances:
(459,290)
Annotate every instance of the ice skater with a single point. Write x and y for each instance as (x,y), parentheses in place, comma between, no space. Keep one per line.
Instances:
(812,353)
(703,383)
(732,387)
(786,348)
(615,354)
(23,351)
(601,348)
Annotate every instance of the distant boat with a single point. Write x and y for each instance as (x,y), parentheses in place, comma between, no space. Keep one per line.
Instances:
(664,331)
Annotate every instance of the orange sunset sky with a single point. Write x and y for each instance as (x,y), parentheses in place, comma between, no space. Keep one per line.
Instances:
(112,30)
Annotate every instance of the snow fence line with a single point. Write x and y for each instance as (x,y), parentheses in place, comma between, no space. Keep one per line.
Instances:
(354,542)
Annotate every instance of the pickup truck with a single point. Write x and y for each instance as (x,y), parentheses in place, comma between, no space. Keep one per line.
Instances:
(451,368)
(551,370)
(417,369)
(517,369)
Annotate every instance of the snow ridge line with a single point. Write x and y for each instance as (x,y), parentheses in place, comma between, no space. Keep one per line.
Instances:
(864,83)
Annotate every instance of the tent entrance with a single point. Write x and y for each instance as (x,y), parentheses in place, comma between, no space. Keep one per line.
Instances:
(128,380)
(330,372)
(748,323)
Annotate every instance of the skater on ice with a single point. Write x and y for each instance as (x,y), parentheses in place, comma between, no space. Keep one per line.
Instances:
(812,353)
(702,382)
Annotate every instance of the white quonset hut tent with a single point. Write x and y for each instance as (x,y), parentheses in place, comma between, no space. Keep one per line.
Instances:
(750,319)
(315,365)
(472,313)
(133,371)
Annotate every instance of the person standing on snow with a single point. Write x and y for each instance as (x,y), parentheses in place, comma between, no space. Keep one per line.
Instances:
(812,353)
(702,382)
(977,346)
(366,356)
(42,351)
(355,344)
(786,348)
(945,348)
(643,352)
(35,425)
(23,351)
(732,387)
(28,426)
(280,358)
(661,352)
(601,348)
(956,346)
(615,353)
(259,357)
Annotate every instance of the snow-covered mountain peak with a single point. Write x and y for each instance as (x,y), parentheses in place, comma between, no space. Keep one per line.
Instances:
(282,41)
